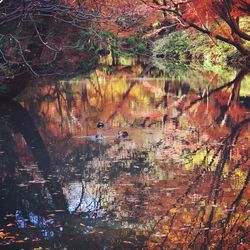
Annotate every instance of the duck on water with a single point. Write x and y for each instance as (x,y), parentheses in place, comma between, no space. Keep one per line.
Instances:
(100,137)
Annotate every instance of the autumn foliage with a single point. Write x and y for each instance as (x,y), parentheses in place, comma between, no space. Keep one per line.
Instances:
(122,17)
(220,19)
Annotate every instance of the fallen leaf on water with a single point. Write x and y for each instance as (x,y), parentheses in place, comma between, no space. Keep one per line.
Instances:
(10,215)
(37,182)
(9,237)
(19,241)
(171,189)
(2,235)
(173,210)
(22,185)
(59,211)
(127,242)
(158,234)
(202,203)
(36,240)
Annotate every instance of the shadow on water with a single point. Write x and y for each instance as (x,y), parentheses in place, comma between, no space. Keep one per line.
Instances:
(13,86)
(17,199)
(33,208)
(180,180)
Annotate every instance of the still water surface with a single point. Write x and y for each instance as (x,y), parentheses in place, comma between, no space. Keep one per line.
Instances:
(179,180)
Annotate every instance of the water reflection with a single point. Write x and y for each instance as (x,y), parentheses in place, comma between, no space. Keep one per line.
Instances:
(180,180)
(27,191)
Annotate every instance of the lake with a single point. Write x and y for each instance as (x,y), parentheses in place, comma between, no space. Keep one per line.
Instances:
(168,168)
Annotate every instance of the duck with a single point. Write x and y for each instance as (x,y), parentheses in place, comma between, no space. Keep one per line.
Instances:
(99,137)
(122,134)
(100,125)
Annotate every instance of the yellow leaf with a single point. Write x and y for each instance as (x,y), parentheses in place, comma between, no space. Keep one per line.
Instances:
(173,210)
(10,225)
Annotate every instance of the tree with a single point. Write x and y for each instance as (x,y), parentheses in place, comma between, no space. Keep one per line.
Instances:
(27,28)
(220,19)
(125,17)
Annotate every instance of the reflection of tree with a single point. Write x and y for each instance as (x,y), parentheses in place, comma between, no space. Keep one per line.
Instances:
(119,105)
(212,224)
(113,179)
(78,106)
(13,86)
(236,82)
(207,226)
(34,202)
(182,107)
(18,120)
